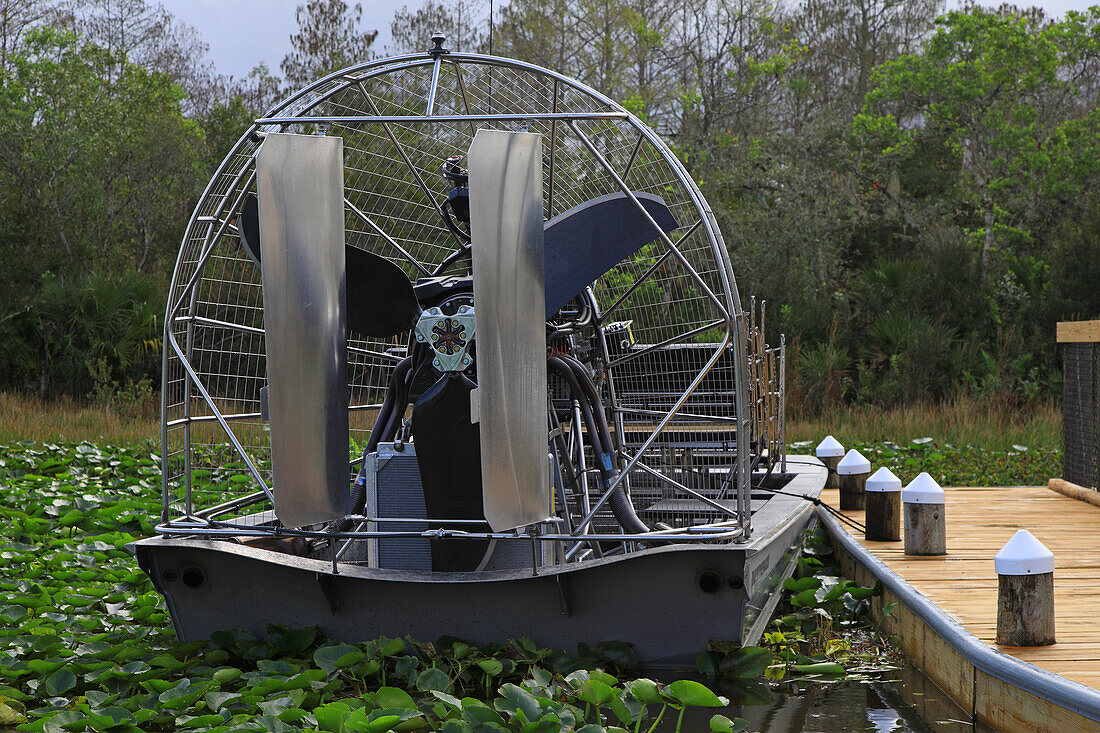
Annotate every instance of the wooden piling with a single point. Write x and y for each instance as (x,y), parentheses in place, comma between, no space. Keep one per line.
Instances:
(1025,610)
(925,517)
(882,522)
(1025,592)
(852,473)
(830,451)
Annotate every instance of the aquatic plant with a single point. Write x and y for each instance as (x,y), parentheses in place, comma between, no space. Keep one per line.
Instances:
(85,642)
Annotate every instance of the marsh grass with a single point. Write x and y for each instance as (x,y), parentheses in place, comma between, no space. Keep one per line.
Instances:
(960,422)
(964,421)
(31,418)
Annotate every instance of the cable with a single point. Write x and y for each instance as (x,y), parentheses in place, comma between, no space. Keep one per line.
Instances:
(818,502)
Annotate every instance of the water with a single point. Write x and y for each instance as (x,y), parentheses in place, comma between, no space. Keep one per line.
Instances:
(901,701)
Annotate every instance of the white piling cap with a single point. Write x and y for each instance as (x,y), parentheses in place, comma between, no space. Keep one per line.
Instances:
(923,490)
(883,480)
(853,462)
(1023,555)
(830,448)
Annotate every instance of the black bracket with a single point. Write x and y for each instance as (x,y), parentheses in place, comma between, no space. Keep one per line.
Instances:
(328,588)
(437,49)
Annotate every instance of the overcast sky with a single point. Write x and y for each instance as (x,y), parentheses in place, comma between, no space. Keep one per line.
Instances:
(242,33)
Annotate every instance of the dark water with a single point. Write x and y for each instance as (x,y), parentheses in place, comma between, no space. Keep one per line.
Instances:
(902,701)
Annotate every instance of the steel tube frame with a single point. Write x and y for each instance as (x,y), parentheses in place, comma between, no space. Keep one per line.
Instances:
(698,533)
(421,120)
(316,93)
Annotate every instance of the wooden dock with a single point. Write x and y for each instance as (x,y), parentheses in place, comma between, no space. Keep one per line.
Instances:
(963,585)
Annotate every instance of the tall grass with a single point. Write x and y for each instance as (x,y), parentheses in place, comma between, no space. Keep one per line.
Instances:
(959,422)
(30,418)
(962,421)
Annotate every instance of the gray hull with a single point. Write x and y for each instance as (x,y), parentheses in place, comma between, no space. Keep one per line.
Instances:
(666,601)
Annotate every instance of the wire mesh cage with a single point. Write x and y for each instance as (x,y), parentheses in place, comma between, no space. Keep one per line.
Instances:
(1081,413)
(692,393)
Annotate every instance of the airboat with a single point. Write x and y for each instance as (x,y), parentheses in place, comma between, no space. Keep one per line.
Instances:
(454,347)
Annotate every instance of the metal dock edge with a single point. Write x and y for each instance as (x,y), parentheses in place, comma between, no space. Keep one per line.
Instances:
(1004,692)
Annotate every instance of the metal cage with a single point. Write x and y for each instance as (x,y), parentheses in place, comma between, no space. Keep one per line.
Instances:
(695,404)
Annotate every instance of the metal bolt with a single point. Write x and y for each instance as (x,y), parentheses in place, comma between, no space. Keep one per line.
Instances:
(437,364)
(419,337)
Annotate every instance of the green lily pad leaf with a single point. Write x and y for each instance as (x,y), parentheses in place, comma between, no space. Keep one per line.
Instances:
(694,694)
(200,721)
(292,641)
(331,717)
(450,700)
(646,690)
(381,724)
(819,668)
(524,701)
(9,715)
(604,677)
(59,682)
(801,584)
(595,692)
(292,715)
(491,667)
(746,662)
(276,706)
(481,714)
(218,700)
(805,598)
(225,675)
(722,724)
(620,710)
(331,658)
(12,613)
(393,697)
(432,679)
(859,592)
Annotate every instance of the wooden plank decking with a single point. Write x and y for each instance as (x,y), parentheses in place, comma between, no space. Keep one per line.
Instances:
(963,584)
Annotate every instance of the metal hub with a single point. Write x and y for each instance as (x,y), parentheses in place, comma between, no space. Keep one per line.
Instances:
(449,337)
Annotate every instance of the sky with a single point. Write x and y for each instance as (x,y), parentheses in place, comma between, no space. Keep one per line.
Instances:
(242,33)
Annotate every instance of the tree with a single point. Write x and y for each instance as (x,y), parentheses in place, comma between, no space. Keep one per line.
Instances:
(98,167)
(147,35)
(465,23)
(846,39)
(16,18)
(992,86)
(328,39)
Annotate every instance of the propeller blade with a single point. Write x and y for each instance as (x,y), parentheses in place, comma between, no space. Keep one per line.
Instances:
(301,217)
(381,301)
(448,451)
(509,305)
(588,240)
(248,226)
(380,298)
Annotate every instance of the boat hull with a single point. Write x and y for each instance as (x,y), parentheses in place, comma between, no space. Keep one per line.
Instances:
(667,601)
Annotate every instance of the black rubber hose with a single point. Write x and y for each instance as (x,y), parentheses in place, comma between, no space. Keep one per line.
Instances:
(585,380)
(450,259)
(619,502)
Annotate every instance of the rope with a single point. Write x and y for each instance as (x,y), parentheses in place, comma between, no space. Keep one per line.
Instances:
(818,502)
